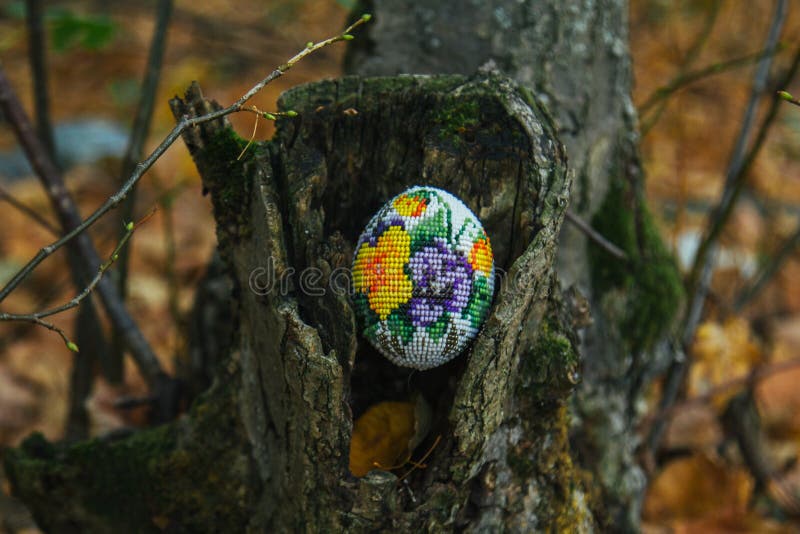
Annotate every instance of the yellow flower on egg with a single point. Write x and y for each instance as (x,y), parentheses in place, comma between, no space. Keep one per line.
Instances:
(378,271)
(410,206)
(480,257)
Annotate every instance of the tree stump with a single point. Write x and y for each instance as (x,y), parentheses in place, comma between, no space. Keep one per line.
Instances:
(266,449)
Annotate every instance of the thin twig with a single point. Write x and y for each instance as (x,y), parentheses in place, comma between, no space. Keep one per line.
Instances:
(721,213)
(166,199)
(54,289)
(250,141)
(420,463)
(659,98)
(267,115)
(70,220)
(785,95)
(689,58)
(684,79)
(595,236)
(739,157)
(702,37)
(37,48)
(74,228)
(766,273)
(50,326)
(30,212)
(141,124)
(755,376)
(37,317)
(148,162)
(700,278)
(133,153)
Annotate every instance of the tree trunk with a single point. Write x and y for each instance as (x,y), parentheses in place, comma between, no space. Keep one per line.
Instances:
(266,448)
(572,55)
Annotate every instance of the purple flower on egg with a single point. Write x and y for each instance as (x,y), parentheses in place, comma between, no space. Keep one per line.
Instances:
(442,282)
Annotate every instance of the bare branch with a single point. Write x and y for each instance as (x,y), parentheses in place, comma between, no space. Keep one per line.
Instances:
(75,228)
(702,37)
(50,326)
(36,51)
(700,277)
(30,212)
(735,174)
(595,236)
(769,269)
(133,153)
(37,317)
(114,200)
(70,220)
(141,125)
(722,212)
(687,78)
(688,59)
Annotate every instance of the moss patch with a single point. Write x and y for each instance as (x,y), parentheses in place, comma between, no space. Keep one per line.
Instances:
(549,372)
(170,477)
(344,92)
(457,119)
(549,462)
(650,279)
(468,120)
(229,179)
(547,375)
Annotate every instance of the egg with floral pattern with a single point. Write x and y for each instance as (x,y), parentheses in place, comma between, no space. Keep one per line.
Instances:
(423,278)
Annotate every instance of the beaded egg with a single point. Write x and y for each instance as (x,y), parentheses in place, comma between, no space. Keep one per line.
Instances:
(423,278)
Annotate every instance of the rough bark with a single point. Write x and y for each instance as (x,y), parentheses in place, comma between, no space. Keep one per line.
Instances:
(573,56)
(267,448)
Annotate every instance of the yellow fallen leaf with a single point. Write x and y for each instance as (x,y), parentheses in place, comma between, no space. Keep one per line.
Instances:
(721,352)
(386,434)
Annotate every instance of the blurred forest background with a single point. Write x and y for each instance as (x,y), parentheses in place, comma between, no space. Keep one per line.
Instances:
(694,62)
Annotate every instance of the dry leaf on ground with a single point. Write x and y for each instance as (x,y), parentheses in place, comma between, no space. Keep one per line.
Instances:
(386,435)
(698,486)
(721,352)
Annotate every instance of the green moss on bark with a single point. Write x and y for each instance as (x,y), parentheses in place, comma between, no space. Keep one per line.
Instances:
(309,97)
(550,370)
(457,120)
(649,280)
(562,502)
(161,478)
(229,179)
(542,459)
(110,473)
